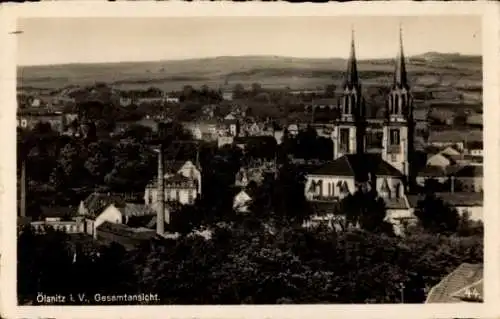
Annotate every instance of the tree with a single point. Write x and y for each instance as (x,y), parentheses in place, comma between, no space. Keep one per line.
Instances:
(133,168)
(330,90)
(256,88)
(366,210)
(436,216)
(99,162)
(238,91)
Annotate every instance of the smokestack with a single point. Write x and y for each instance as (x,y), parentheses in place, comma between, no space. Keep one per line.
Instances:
(23,190)
(160,217)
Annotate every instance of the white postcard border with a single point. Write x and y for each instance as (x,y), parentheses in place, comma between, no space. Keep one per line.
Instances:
(8,15)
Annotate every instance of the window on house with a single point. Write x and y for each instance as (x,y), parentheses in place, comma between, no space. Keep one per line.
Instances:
(178,195)
(394,137)
(397,190)
(344,140)
(190,197)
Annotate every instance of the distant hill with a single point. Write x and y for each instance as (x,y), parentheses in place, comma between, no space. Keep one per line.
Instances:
(270,71)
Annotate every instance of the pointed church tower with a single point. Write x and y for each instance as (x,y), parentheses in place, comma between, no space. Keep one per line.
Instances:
(348,134)
(398,128)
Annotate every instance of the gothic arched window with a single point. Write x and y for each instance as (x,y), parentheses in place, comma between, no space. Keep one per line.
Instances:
(345,104)
(397,190)
(352,103)
(397,104)
(389,104)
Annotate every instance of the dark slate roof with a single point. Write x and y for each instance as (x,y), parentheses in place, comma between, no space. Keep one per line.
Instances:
(432,171)
(126,231)
(446,290)
(475,145)
(466,199)
(339,167)
(140,221)
(58,211)
(470,171)
(358,166)
(177,178)
(372,163)
(173,166)
(96,202)
(132,209)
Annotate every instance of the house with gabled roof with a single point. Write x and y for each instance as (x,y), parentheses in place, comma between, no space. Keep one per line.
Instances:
(441,160)
(464,284)
(182,183)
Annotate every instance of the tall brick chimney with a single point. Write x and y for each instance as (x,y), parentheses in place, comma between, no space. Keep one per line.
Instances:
(160,217)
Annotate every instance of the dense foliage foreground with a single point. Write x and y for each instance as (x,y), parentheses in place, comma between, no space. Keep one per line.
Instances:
(247,264)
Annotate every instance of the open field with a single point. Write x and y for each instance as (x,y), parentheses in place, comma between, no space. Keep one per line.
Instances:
(430,70)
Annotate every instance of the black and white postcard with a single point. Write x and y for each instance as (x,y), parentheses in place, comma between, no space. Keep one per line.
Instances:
(250,160)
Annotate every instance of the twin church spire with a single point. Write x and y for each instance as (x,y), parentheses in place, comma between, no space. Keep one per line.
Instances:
(400,79)
(352,104)
(352,79)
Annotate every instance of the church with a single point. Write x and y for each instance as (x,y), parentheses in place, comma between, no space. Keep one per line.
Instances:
(386,168)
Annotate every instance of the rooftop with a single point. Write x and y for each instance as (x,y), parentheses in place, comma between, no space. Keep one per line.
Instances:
(127,231)
(358,166)
(95,203)
(452,286)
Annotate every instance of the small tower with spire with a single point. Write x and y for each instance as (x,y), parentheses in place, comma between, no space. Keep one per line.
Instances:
(397,131)
(348,134)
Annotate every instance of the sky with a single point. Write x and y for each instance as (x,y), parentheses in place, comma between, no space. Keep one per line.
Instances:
(86,40)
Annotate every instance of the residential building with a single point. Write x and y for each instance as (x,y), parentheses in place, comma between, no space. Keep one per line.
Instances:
(182,184)
(475,148)
(172,99)
(99,208)
(28,119)
(475,120)
(464,284)
(438,139)
(224,140)
(58,218)
(242,201)
(203,130)
(469,178)
(440,160)
(227,95)
(437,173)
